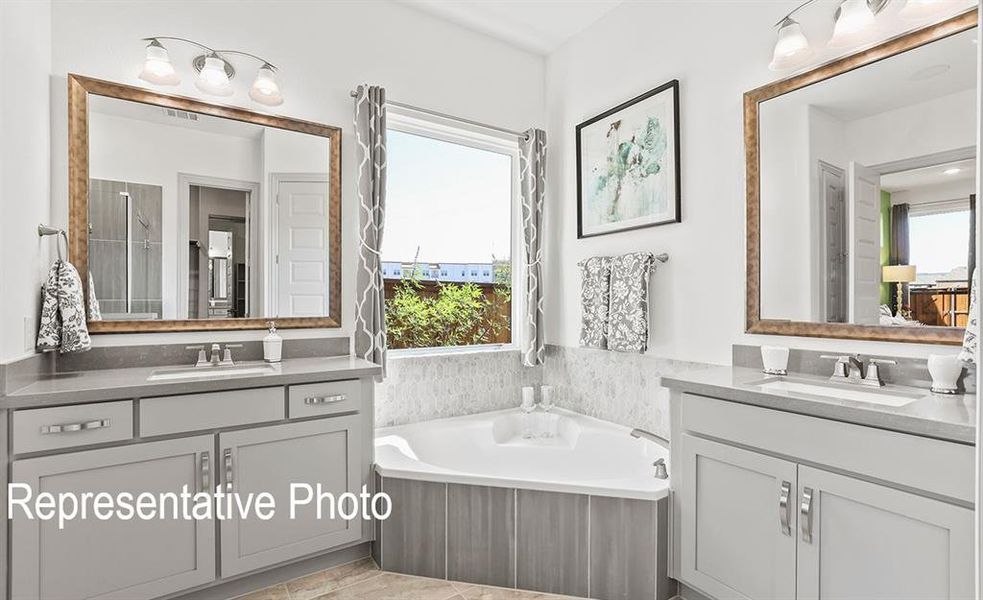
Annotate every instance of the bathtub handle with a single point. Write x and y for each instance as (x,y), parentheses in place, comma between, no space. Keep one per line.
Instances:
(324,399)
(784,508)
(806,510)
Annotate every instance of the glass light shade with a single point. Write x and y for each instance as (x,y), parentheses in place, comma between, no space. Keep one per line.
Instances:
(213,79)
(792,48)
(157,67)
(265,89)
(916,10)
(853,24)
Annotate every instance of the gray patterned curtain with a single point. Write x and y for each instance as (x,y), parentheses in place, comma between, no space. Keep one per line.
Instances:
(532,167)
(370,141)
(900,244)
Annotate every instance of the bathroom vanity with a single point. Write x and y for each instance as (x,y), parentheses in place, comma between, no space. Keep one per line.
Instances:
(784,494)
(308,420)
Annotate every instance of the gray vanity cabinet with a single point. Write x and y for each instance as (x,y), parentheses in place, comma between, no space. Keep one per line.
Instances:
(862,540)
(113,559)
(270,459)
(738,526)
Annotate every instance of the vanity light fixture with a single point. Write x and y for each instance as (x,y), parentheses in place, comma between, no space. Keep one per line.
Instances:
(854,20)
(852,24)
(157,67)
(215,71)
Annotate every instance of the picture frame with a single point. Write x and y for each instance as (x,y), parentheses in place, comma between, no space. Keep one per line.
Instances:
(628,168)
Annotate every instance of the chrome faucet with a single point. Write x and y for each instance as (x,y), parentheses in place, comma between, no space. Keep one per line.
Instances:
(648,435)
(216,351)
(214,360)
(848,368)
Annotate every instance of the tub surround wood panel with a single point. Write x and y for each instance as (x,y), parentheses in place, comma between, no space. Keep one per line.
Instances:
(481,535)
(552,538)
(625,540)
(570,544)
(414,535)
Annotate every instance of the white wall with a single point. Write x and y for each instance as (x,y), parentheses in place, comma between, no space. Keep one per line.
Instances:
(123,149)
(324,49)
(718,50)
(25,62)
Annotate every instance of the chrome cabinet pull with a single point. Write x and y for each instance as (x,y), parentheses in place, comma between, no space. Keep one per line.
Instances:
(784,508)
(228,470)
(72,427)
(206,473)
(806,510)
(324,399)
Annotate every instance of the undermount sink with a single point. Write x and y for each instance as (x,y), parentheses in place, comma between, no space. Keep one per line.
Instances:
(884,397)
(211,372)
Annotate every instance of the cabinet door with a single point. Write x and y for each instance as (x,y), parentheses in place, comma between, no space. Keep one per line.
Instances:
(738,522)
(269,459)
(116,558)
(862,540)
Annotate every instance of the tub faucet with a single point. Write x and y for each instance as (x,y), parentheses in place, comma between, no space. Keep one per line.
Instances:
(648,435)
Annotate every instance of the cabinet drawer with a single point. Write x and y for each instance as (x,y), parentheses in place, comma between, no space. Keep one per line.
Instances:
(41,429)
(194,412)
(318,399)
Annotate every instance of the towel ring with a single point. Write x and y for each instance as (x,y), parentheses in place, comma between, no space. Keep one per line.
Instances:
(44,230)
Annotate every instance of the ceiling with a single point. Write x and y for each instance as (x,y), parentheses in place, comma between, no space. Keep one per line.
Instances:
(159,115)
(930,176)
(538,26)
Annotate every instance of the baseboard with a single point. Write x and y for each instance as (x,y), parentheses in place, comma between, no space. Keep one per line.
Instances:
(687,593)
(256,581)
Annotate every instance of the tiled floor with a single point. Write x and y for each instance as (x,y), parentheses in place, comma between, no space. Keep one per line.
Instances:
(362,580)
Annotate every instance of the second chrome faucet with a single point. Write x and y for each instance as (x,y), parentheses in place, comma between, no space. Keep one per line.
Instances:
(849,368)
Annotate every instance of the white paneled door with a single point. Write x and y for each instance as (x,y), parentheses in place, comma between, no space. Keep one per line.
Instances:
(864,202)
(301,261)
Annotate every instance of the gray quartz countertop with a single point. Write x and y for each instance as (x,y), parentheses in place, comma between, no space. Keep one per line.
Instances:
(120,384)
(946,417)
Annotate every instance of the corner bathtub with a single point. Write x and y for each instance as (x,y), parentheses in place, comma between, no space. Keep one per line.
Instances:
(579,514)
(586,456)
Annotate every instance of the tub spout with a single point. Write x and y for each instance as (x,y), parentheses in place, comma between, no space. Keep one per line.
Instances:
(648,435)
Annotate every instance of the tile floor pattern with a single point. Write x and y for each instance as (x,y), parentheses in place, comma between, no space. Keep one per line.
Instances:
(362,580)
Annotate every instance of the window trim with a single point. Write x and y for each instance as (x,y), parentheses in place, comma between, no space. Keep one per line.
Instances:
(445,129)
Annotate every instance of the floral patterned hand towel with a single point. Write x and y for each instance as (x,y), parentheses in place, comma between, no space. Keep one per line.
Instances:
(595,275)
(628,317)
(971,339)
(63,325)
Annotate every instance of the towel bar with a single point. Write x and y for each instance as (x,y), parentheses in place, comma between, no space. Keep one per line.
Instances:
(44,230)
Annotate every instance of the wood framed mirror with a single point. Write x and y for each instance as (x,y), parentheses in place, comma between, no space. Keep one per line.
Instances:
(189,216)
(861,184)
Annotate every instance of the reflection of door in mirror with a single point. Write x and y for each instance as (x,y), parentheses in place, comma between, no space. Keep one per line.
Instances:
(832,201)
(125,248)
(301,259)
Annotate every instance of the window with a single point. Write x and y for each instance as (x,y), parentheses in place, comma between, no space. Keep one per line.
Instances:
(450,207)
(939,244)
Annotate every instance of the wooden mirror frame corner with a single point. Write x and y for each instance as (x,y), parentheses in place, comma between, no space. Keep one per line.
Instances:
(79,89)
(754,323)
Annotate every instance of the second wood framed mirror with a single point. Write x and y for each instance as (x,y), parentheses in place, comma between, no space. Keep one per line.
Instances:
(188,215)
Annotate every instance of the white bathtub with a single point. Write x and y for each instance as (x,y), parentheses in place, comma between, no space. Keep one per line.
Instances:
(586,456)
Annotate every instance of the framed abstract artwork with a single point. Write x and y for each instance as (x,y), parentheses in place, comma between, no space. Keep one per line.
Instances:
(628,165)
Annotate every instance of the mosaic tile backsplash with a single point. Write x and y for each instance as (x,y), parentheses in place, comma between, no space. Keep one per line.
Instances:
(420,388)
(614,386)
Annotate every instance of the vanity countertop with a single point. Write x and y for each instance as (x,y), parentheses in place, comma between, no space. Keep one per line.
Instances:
(946,417)
(78,387)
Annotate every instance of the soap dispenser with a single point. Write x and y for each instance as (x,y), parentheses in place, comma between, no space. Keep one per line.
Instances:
(272,345)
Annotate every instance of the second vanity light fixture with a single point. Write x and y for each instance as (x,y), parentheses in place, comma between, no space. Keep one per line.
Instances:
(215,72)
(853,24)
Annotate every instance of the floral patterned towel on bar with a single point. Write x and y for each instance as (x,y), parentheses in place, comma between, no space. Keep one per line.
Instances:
(63,325)
(971,339)
(595,287)
(628,317)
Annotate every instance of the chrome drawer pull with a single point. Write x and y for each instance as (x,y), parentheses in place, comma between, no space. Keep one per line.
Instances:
(806,510)
(206,473)
(70,427)
(324,399)
(228,470)
(784,508)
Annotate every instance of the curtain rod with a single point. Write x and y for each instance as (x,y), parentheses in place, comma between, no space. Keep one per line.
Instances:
(518,134)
